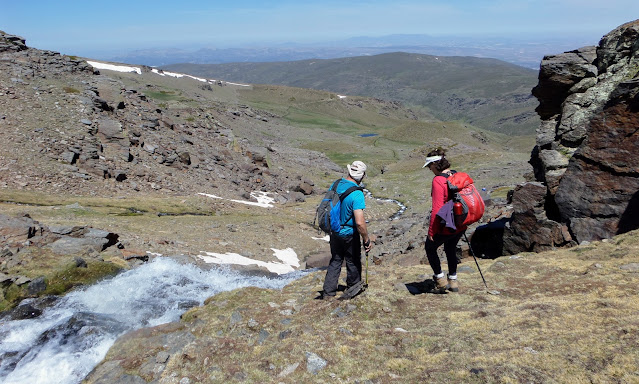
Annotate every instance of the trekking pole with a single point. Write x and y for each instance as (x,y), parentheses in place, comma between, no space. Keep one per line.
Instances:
(366,281)
(479,269)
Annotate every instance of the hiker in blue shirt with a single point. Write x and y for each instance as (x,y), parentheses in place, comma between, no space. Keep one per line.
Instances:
(346,244)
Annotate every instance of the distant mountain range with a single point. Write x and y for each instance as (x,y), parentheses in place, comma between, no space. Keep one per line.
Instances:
(487,93)
(525,52)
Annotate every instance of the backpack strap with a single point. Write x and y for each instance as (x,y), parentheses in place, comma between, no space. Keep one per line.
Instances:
(349,191)
(447,175)
(343,195)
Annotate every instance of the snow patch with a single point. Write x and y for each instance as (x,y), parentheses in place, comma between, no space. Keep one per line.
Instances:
(239,85)
(178,75)
(287,256)
(112,67)
(263,199)
(128,69)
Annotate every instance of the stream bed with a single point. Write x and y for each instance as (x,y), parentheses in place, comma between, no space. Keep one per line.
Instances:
(71,336)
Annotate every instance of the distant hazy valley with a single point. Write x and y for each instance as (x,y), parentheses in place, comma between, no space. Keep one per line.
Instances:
(525,52)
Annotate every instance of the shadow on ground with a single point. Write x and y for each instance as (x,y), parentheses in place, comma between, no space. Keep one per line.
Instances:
(417,288)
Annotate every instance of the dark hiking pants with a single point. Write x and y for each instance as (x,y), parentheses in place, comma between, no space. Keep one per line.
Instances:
(343,249)
(450,248)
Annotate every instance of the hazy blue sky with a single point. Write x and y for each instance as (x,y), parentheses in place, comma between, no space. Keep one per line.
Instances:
(75,27)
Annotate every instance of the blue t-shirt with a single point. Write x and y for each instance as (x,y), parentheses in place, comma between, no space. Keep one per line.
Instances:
(355,200)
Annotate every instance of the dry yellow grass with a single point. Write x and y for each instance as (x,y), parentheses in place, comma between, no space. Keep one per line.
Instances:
(567,316)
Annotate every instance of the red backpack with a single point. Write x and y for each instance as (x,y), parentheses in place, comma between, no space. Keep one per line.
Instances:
(468,205)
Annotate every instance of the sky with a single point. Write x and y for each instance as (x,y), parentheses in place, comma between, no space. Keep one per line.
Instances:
(80,27)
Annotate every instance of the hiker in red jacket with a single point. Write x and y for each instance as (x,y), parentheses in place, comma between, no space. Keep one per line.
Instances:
(437,233)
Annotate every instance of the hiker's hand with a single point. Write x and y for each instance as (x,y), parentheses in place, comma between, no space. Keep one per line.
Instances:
(430,238)
(368,246)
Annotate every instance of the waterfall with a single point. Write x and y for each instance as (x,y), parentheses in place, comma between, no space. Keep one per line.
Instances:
(72,336)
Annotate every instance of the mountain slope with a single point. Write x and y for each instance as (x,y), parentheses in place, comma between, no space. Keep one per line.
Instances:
(141,145)
(488,93)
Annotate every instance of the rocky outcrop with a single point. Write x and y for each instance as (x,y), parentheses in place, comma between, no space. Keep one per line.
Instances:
(19,234)
(11,42)
(24,241)
(94,134)
(587,143)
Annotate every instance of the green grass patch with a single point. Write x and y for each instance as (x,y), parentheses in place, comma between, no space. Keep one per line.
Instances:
(11,297)
(59,280)
(163,95)
(88,205)
(307,118)
(72,276)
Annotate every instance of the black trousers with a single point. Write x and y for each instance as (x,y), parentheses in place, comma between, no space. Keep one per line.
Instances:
(450,248)
(344,249)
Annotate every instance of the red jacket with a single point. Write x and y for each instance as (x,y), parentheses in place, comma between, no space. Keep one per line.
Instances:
(439,196)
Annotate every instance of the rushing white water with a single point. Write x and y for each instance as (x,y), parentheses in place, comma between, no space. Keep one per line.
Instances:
(71,337)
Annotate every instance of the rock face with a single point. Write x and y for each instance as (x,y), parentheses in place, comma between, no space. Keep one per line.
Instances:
(587,143)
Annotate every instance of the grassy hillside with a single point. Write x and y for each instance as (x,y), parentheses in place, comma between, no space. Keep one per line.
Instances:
(488,93)
(322,121)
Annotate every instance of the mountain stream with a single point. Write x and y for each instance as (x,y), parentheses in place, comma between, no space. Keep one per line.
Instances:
(73,335)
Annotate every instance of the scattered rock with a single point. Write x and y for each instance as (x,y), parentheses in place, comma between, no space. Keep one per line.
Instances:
(314,363)
(289,369)
(162,357)
(80,262)
(633,267)
(37,286)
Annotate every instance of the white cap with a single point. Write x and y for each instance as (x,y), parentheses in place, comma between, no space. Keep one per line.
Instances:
(356,170)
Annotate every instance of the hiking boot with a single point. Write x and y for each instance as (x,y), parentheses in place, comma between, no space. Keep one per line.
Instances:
(324,296)
(440,284)
(453,286)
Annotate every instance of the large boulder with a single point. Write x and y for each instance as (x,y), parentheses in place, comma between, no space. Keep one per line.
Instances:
(17,229)
(587,144)
(530,230)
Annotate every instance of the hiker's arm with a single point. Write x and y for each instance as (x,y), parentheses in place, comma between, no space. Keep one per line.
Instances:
(360,222)
(439,195)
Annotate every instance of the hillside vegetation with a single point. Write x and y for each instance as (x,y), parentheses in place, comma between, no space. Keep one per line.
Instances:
(568,316)
(487,93)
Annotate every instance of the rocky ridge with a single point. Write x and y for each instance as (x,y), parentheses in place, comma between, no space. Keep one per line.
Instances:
(104,137)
